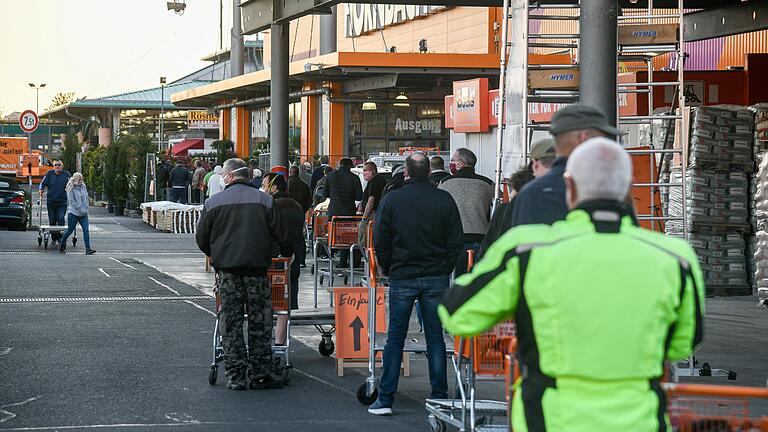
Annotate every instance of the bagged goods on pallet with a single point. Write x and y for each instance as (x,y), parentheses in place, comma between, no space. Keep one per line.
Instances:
(721,135)
(172,217)
(714,198)
(758,243)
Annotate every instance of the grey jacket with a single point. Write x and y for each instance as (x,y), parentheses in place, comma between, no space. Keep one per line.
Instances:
(77,201)
(473,194)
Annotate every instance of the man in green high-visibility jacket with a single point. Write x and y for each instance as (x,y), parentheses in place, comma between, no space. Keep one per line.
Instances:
(599,303)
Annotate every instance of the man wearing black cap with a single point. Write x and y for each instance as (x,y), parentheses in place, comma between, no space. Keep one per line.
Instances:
(543,200)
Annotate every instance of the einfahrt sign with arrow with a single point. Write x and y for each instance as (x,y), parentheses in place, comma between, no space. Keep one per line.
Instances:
(352,321)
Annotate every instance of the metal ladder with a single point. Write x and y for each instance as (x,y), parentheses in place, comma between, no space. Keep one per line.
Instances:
(674,116)
(514,68)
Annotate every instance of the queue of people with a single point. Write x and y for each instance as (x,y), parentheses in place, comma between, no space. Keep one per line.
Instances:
(561,259)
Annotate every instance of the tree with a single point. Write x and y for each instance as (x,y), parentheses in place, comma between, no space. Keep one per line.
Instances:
(61,99)
(70,151)
(223,150)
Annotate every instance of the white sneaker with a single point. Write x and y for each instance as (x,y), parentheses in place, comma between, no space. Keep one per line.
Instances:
(377,408)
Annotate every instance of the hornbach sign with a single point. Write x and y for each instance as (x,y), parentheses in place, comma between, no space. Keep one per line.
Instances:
(360,19)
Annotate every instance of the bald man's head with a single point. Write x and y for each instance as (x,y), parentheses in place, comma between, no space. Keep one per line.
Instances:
(417,167)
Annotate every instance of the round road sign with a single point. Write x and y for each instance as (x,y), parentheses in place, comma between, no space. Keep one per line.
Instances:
(28,121)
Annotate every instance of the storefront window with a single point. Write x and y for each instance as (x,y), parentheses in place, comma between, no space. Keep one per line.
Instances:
(374,128)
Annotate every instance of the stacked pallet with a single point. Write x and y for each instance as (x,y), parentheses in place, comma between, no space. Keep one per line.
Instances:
(172,217)
(758,243)
(717,205)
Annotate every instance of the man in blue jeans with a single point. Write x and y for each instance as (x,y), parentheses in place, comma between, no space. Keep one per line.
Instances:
(417,237)
(56,201)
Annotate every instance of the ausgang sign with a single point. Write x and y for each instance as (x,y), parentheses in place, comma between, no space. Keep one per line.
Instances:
(363,18)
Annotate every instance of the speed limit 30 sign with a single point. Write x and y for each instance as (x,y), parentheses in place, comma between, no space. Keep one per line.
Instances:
(28,121)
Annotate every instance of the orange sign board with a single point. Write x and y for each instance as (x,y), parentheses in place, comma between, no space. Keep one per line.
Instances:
(644,171)
(470,105)
(352,321)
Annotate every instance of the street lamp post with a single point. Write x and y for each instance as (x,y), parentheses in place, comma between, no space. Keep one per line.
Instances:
(37,96)
(162,105)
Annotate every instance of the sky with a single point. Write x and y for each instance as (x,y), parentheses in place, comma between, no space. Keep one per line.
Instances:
(100,47)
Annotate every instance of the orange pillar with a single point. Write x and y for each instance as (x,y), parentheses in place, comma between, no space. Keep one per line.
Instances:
(242,147)
(224,127)
(309,126)
(336,125)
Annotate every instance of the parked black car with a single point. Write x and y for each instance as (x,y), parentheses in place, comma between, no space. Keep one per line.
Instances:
(13,212)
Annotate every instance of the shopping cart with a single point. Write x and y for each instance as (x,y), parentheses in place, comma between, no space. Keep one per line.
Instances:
(705,408)
(45,232)
(279,279)
(342,233)
(357,248)
(487,357)
(319,230)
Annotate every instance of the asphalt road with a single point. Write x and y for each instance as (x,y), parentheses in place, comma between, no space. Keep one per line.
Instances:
(106,342)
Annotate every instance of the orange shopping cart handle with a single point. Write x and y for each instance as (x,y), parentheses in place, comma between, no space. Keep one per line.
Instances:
(715,390)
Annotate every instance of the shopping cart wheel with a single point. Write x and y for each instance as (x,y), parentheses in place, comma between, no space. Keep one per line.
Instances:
(326,347)
(213,375)
(364,398)
(436,425)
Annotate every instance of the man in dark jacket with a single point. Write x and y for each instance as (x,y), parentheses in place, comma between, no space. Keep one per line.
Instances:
(372,194)
(56,200)
(343,188)
(292,217)
(438,172)
(417,237)
(318,173)
(397,180)
(298,190)
(161,180)
(236,229)
(179,180)
(542,201)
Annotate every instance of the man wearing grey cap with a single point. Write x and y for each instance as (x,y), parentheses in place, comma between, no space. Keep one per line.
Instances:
(542,156)
(543,200)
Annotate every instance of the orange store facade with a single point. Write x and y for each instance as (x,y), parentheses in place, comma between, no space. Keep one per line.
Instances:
(390,80)
(383,88)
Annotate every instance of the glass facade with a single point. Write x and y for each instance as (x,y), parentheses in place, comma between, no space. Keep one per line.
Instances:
(377,127)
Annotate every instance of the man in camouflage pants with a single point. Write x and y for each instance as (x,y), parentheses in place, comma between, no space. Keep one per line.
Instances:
(236,229)
(254,291)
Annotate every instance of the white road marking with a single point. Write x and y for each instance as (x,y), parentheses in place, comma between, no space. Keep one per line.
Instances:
(7,415)
(181,418)
(322,381)
(105,273)
(108,426)
(164,285)
(208,293)
(199,307)
(5,351)
(120,262)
